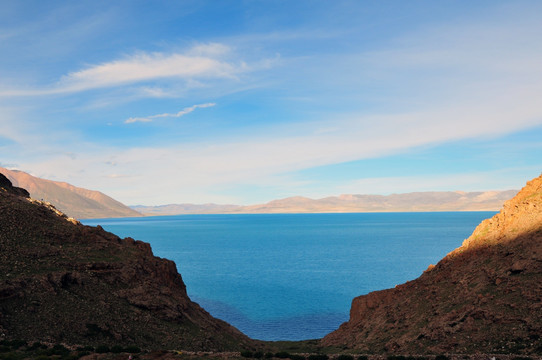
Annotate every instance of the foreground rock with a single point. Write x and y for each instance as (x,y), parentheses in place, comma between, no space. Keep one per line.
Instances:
(484,297)
(62,282)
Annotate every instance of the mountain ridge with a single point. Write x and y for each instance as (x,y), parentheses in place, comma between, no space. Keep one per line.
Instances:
(72,200)
(406,202)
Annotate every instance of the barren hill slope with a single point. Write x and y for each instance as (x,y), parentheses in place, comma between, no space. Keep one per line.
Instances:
(408,202)
(62,282)
(73,201)
(484,297)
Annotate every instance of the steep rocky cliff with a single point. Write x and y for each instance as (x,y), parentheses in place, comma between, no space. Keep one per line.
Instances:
(485,296)
(62,282)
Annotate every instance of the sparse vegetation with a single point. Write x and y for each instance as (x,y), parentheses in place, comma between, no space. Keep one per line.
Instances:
(282,355)
(102,349)
(318,357)
(132,349)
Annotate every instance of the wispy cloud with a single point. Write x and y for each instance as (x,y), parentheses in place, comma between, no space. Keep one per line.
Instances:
(143,67)
(442,84)
(183,112)
(200,62)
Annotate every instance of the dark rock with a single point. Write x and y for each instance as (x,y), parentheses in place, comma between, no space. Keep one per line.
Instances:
(8,186)
(62,282)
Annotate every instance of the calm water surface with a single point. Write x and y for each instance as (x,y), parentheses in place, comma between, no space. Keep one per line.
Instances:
(293,276)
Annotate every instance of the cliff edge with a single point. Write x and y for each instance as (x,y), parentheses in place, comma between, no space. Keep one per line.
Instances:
(484,297)
(62,282)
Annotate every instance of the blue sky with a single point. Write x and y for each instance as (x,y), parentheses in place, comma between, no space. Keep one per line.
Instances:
(248,101)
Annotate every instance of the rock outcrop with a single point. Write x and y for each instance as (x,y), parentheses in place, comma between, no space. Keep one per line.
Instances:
(484,297)
(7,186)
(62,282)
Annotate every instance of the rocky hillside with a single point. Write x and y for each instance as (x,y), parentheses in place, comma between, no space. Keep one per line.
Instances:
(485,296)
(62,282)
(73,201)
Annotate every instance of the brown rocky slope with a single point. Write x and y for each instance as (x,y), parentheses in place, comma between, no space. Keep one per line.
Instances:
(62,282)
(484,297)
(71,200)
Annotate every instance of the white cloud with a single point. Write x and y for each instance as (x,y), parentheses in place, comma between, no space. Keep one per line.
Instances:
(194,172)
(463,81)
(209,49)
(143,67)
(183,112)
(201,62)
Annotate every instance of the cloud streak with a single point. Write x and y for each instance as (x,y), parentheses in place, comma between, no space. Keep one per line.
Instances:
(183,112)
(200,62)
(471,80)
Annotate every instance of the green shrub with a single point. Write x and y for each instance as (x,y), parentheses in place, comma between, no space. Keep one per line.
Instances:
(363,357)
(4,349)
(132,349)
(268,355)
(258,355)
(246,354)
(442,357)
(59,350)
(297,357)
(282,355)
(117,349)
(102,349)
(86,348)
(13,356)
(12,344)
(36,346)
(345,357)
(318,357)
(42,357)
(70,357)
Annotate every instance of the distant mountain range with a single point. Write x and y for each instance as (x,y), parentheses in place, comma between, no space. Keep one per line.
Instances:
(88,204)
(416,201)
(74,201)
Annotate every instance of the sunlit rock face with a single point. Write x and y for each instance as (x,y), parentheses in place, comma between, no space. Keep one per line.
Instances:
(485,296)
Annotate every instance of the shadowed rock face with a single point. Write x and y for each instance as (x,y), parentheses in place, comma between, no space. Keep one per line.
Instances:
(7,186)
(484,297)
(64,282)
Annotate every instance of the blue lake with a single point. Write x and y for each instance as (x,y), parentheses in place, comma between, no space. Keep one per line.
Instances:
(293,276)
